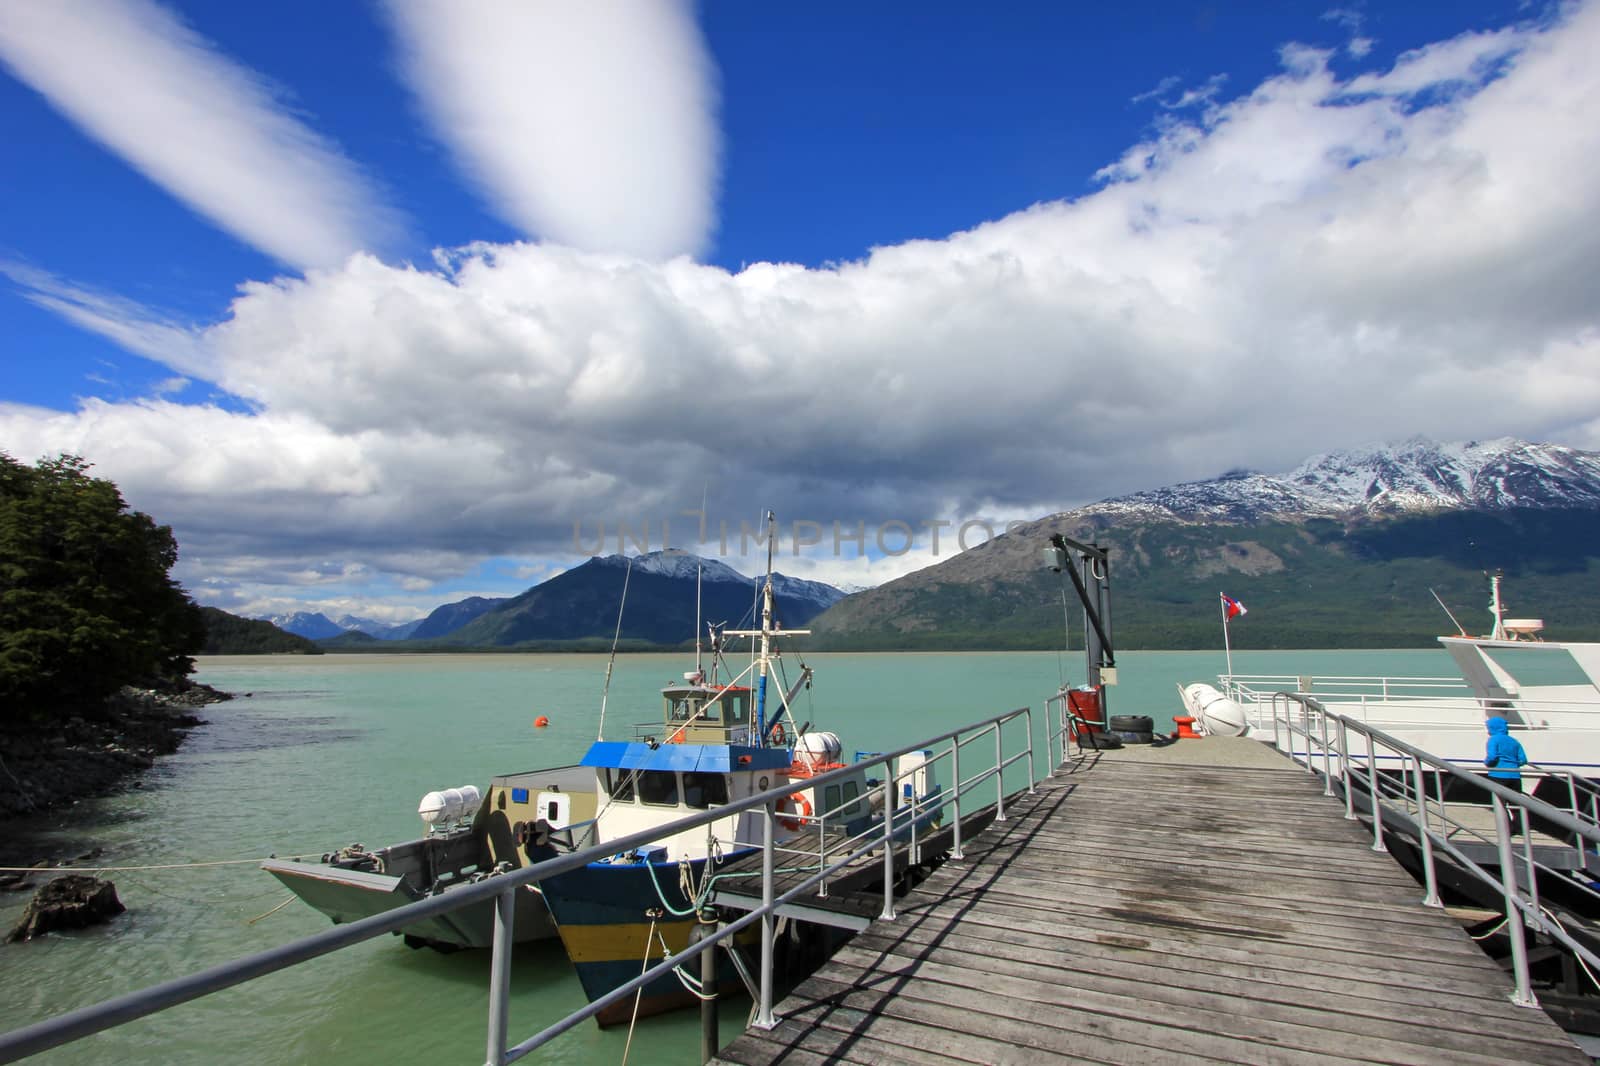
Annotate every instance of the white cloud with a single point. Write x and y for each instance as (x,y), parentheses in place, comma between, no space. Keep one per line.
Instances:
(592,125)
(132,76)
(1299,269)
(132,326)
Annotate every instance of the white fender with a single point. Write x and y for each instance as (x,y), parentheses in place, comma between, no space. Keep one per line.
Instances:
(1195,695)
(1221,717)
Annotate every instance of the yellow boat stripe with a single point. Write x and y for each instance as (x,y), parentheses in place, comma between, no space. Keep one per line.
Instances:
(622,941)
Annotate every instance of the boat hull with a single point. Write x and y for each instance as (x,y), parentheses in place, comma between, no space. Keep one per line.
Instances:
(350,895)
(615,918)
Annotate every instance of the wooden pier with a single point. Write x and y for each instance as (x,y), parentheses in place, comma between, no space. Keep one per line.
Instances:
(1155,907)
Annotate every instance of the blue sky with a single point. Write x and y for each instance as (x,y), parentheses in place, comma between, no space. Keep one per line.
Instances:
(375,302)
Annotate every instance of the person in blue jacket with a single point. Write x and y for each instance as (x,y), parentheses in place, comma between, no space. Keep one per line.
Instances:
(1505,758)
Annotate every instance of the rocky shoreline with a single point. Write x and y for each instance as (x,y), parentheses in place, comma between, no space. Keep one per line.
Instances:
(94,755)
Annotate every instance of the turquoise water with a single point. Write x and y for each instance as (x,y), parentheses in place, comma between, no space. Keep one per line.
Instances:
(332,750)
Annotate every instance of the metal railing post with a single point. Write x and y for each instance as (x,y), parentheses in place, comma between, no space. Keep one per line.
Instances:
(1372,790)
(999,777)
(1028,718)
(1327,755)
(914,855)
(505,910)
(955,773)
(1344,772)
(1060,735)
(1523,996)
(822,850)
(1426,837)
(764,1017)
(888,848)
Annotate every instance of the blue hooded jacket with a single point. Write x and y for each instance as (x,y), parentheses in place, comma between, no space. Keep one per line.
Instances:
(1504,753)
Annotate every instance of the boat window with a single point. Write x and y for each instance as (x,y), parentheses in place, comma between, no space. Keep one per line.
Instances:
(830,799)
(702,790)
(658,788)
(682,709)
(734,706)
(1539,666)
(852,794)
(620,786)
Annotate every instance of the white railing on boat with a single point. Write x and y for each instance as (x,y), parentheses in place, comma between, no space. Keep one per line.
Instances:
(1398,797)
(1375,700)
(502,889)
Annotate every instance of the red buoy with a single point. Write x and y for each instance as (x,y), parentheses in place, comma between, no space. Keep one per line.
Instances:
(540,722)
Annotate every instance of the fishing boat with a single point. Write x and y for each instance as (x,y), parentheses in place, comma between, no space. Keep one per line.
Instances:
(723,735)
(717,742)
(1547,690)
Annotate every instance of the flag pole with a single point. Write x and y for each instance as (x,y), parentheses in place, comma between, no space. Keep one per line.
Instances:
(1227,645)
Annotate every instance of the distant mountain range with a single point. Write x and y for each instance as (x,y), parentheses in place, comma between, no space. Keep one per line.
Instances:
(1341,551)
(581,604)
(1417,477)
(1345,550)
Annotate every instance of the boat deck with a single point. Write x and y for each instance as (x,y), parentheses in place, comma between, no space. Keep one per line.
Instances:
(1203,902)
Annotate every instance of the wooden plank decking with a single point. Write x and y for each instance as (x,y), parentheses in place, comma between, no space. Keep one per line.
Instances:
(1162,912)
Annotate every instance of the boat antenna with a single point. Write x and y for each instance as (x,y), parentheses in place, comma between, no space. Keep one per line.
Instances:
(698,568)
(605,690)
(1446,610)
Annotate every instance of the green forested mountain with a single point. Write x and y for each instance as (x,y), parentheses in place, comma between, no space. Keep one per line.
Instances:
(1358,582)
(86,603)
(228,634)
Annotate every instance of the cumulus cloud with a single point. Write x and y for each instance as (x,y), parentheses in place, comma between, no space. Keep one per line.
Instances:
(215,135)
(592,125)
(1316,263)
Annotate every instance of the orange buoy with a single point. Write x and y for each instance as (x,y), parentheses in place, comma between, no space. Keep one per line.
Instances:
(540,722)
(1185,726)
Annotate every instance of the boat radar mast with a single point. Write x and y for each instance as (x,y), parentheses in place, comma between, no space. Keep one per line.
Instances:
(1509,628)
(769,629)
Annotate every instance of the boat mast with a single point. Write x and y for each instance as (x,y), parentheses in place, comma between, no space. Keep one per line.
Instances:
(766,634)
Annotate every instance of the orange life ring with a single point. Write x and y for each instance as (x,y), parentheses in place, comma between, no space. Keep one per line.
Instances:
(779,737)
(789,812)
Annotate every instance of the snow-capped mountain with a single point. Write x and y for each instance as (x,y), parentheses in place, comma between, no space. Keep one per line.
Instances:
(681,564)
(1416,476)
(374,628)
(313,625)
(676,564)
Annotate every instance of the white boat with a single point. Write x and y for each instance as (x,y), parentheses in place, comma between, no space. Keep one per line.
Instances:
(1547,690)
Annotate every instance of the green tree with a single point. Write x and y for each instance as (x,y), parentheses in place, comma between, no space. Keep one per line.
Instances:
(86,603)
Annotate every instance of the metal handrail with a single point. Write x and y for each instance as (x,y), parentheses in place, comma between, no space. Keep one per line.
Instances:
(84,1021)
(1522,905)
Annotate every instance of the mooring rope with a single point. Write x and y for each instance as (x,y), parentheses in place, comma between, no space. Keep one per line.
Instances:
(273,911)
(638,993)
(127,869)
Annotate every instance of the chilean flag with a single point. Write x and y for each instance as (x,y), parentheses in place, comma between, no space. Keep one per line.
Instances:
(1231,608)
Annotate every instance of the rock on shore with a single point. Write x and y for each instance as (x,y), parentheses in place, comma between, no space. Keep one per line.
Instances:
(71,902)
(92,755)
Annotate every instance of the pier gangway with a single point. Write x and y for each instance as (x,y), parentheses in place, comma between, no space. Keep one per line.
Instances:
(1203,901)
